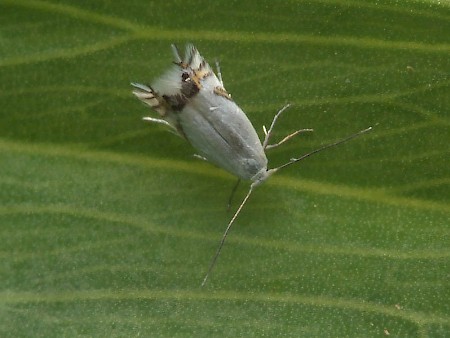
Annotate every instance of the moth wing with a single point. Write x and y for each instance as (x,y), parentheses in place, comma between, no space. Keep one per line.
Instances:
(151,98)
(219,129)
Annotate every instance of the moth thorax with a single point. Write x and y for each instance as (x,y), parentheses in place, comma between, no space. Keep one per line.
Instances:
(261,176)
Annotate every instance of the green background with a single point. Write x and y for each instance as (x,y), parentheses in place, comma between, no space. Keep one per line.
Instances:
(108,224)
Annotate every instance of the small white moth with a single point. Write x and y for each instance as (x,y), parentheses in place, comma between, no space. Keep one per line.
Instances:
(192,101)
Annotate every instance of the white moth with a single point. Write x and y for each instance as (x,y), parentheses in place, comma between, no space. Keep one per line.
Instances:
(192,100)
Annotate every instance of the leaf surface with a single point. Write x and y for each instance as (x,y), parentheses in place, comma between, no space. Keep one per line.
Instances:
(108,224)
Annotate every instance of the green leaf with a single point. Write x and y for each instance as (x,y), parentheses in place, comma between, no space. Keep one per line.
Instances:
(108,224)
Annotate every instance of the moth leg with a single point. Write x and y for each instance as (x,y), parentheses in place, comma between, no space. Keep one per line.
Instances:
(270,146)
(230,199)
(160,121)
(269,132)
(200,157)
(233,191)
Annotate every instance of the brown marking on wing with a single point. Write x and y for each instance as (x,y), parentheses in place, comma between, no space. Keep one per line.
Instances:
(222,92)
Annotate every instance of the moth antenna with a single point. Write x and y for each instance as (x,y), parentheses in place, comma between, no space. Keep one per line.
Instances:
(219,73)
(219,249)
(269,132)
(330,145)
(176,54)
(287,138)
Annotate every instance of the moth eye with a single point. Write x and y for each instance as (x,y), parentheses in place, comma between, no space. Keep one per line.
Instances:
(185,77)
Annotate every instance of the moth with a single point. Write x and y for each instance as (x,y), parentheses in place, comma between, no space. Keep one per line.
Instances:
(192,101)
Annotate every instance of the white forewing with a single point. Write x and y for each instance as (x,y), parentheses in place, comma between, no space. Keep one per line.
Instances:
(218,128)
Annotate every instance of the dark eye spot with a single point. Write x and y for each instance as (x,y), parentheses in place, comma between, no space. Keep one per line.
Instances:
(185,77)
